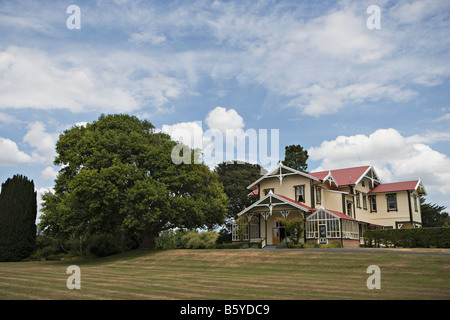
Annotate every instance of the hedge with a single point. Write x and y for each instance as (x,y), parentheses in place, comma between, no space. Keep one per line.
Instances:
(409,238)
(238,245)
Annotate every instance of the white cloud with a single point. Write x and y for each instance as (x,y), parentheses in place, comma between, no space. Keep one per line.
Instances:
(31,79)
(147,36)
(429,137)
(316,101)
(189,133)
(288,49)
(43,142)
(115,82)
(395,157)
(40,192)
(445,117)
(292,54)
(222,119)
(11,155)
(6,118)
(81,124)
(415,11)
(217,145)
(49,173)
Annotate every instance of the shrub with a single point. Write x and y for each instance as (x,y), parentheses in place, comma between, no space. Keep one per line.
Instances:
(228,245)
(281,245)
(310,245)
(171,239)
(238,245)
(334,244)
(200,240)
(293,245)
(102,245)
(409,238)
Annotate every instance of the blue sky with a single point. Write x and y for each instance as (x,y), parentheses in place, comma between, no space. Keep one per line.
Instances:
(313,70)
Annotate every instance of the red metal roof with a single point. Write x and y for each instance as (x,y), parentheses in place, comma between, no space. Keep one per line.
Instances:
(340,215)
(320,174)
(395,186)
(336,213)
(296,202)
(343,177)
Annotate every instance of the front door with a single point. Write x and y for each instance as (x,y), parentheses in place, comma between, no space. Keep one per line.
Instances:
(275,235)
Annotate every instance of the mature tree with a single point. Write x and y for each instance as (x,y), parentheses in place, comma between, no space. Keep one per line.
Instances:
(295,157)
(117,174)
(18,210)
(235,177)
(433,215)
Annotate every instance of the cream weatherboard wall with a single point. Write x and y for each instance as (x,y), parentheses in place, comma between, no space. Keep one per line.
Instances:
(394,218)
(287,187)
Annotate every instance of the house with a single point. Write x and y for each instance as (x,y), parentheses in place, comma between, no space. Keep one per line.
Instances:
(335,205)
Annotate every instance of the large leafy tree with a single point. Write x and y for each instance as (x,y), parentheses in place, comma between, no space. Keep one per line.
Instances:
(295,157)
(18,210)
(117,174)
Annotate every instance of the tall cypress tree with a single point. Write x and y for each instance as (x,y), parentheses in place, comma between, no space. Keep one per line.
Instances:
(18,210)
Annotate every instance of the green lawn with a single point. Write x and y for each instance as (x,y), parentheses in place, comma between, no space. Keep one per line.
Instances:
(232,274)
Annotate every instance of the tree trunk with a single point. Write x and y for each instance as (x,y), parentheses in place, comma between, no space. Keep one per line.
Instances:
(148,237)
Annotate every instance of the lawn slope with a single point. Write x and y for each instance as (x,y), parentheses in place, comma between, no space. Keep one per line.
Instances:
(232,274)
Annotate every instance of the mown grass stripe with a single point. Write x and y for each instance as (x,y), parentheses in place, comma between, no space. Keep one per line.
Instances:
(231,274)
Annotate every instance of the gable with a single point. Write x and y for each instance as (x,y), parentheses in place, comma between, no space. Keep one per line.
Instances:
(279,173)
(348,176)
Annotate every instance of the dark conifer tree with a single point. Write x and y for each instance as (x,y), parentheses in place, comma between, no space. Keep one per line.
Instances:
(18,208)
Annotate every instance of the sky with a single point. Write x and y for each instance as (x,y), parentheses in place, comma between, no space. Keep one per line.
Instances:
(352,86)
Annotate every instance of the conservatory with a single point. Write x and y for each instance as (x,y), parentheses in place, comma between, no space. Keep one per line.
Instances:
(327,226)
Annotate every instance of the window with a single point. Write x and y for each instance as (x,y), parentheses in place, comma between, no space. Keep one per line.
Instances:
(318,195)
(235,233)
(266,191)
(365,201)
(391,202)
(415,203)
(373,203)
(363,183)
(349,208)
(358,200)
(300,193)
(254,227)
(331,226)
